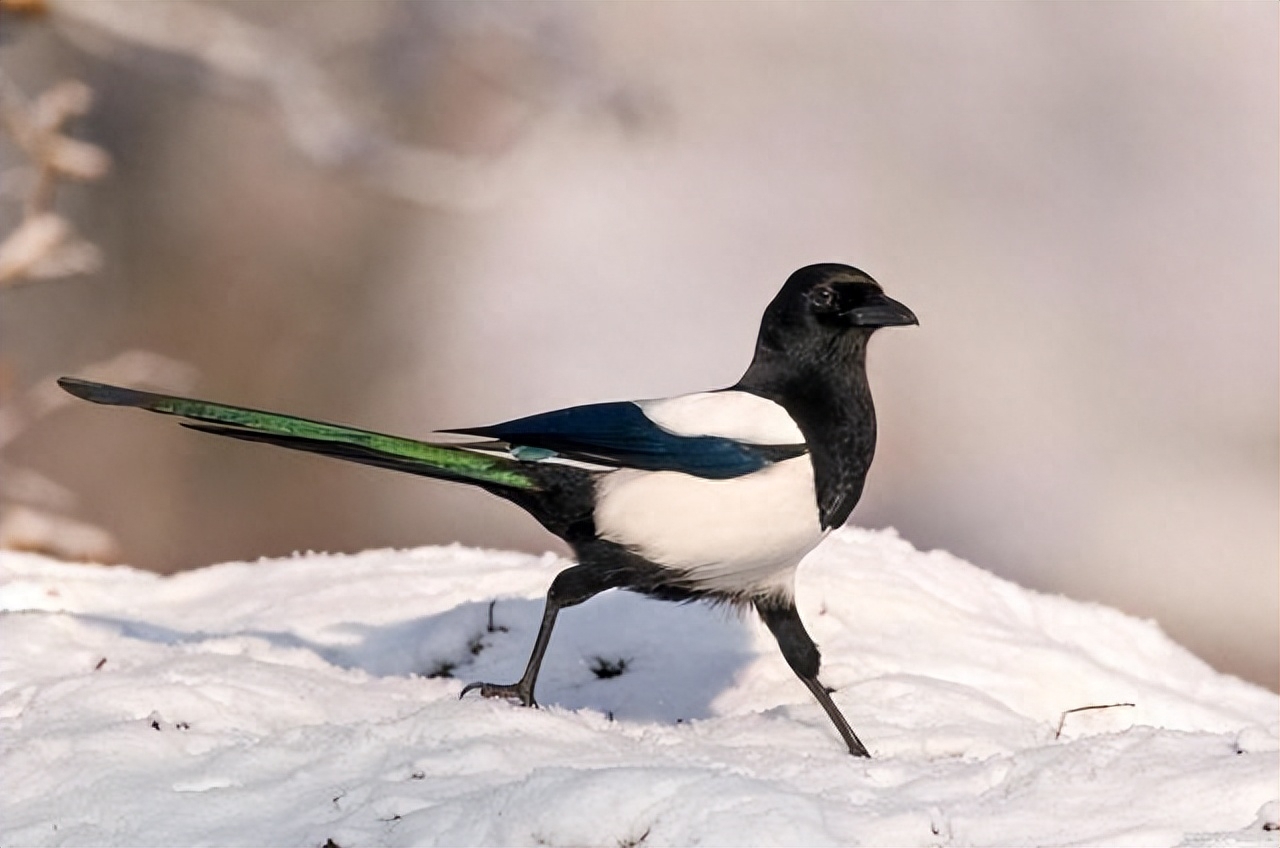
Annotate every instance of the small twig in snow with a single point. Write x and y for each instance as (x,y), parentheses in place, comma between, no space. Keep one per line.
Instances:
(1063,718)
(494,628)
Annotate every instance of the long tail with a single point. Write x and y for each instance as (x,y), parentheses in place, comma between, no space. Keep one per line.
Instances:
(499,474)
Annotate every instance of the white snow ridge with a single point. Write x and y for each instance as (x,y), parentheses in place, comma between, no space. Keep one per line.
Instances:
(292,702)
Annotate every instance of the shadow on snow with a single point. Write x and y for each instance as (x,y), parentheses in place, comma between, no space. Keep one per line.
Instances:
(622,654)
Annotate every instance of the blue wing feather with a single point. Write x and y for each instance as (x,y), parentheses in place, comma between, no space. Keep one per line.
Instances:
(621,434)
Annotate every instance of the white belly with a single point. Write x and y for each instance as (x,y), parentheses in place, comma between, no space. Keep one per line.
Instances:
(743,536)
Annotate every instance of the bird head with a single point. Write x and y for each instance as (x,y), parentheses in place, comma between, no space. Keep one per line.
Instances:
(821,304)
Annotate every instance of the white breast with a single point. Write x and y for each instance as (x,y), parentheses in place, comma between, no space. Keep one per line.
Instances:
(744,535)
(733,415)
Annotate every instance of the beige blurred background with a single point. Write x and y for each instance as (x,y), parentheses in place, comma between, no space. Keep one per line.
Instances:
(410,216)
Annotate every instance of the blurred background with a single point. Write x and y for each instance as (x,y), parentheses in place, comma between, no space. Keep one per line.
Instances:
(410,216)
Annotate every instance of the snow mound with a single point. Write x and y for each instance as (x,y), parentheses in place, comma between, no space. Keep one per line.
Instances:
(314,700)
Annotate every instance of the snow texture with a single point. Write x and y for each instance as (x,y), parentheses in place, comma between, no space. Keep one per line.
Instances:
(314,700)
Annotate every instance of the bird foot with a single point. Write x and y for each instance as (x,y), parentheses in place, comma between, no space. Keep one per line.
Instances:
(516,692)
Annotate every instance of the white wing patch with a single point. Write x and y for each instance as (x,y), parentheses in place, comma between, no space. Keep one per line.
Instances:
(741,536)
(732,415)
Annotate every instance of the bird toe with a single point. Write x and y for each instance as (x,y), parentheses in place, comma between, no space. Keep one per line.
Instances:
(514,692)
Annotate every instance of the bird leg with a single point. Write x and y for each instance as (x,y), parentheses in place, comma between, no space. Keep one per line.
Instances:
(571,587)
(802,655)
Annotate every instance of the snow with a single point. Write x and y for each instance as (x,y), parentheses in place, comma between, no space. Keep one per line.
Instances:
(286,702)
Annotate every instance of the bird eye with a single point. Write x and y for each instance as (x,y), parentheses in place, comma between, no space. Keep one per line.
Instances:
(823,299)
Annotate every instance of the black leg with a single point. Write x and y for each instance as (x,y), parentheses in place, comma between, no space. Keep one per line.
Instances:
(803,657)
(571,586)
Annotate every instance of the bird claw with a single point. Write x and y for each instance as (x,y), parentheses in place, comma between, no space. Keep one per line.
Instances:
(511,691)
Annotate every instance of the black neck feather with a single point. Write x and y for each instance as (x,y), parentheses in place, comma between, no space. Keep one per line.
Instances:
(826,391)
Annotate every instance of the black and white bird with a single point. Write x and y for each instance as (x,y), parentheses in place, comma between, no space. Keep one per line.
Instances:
(714,495)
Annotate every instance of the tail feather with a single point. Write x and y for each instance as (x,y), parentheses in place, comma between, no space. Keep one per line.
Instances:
(461,464)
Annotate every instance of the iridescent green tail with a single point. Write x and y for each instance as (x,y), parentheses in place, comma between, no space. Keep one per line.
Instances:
(499,474)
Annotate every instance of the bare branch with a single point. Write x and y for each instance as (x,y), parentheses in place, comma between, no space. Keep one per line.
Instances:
(44,244)
(234,49)
(26,8)
(26,529)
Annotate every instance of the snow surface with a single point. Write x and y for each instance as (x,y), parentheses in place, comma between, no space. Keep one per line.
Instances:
(287,702)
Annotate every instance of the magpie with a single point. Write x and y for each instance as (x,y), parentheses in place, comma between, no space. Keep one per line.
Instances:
(710,496)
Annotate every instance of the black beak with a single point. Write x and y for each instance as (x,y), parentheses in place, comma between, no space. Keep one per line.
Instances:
(881,311)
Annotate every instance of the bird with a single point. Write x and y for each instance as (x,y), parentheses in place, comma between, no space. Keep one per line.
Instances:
(710,496)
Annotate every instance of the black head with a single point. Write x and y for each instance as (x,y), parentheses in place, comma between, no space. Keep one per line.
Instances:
(820,305)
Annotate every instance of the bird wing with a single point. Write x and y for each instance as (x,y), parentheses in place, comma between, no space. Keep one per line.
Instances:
(622,434)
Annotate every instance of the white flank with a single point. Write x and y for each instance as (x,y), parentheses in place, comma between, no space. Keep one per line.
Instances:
(744,535)
(732,415)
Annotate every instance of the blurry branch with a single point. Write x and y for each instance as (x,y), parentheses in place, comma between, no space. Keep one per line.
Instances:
(37,531)
(27,8)
(133,366)
(44,244)
(234,49)
(33,507)
(316,123)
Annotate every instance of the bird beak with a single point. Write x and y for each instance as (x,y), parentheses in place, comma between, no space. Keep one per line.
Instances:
(881,312)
